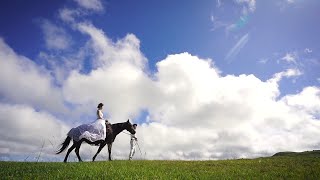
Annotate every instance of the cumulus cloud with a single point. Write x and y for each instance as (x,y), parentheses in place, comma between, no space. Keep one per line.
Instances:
(60,65)
(69,15)
(308,100)
(95,5)
(288,73)
(232,116)
(117,76)
(28,101)
(107,52)
(23,81)
(55,37)
(23,130)
(193,111)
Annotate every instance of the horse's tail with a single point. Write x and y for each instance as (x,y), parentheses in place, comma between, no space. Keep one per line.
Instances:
(64,145)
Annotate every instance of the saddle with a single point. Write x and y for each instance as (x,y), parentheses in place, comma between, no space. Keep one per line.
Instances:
(109,133)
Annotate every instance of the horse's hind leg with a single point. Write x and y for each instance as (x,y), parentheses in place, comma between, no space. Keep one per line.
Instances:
(78,149)
(100,148)
(69,150)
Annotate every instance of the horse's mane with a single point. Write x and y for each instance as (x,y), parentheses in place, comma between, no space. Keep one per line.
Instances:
(118,124)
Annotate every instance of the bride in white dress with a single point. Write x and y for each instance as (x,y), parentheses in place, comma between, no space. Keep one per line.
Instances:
(93,132)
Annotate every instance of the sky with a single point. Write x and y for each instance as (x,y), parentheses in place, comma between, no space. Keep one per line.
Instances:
(209,80)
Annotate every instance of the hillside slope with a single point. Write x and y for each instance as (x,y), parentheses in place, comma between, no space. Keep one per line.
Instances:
(314,153)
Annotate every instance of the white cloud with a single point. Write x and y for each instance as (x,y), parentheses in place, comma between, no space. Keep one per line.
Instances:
(307,50)
(23,81)
(68,15)
(60,65)
(23,130)
(55,37)
(238,46)
(249,5)
(107,52)
(232,115)
(290,57)
(95,5)
(307,100)
(292,72)
(116,79)
(288,73)
(194,112)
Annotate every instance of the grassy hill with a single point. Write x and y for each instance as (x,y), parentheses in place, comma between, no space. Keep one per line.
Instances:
(314,153)
(277,167)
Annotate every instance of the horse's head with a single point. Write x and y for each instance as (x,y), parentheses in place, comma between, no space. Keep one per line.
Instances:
(129,127)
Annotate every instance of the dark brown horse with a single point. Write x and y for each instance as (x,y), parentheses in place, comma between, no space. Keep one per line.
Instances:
(115,130)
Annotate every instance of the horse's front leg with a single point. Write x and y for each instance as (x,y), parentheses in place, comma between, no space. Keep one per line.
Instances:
(109,150)
(100,148)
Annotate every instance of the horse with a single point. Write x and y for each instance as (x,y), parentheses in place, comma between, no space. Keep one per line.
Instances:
(111,136)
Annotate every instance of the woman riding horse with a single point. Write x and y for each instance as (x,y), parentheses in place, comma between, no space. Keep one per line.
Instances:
(94,134)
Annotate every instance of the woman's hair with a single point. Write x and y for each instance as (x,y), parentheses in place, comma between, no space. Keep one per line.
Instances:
(100,105)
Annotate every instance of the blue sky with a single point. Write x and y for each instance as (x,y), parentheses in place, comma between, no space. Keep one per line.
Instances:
(273,29)
(165,65)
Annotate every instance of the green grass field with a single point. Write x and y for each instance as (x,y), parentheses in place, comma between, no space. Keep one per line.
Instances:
(281,167)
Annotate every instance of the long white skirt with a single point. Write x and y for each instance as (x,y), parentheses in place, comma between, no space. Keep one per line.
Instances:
(92,132)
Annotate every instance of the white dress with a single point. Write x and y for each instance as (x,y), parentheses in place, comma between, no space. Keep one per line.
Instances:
(92,132)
